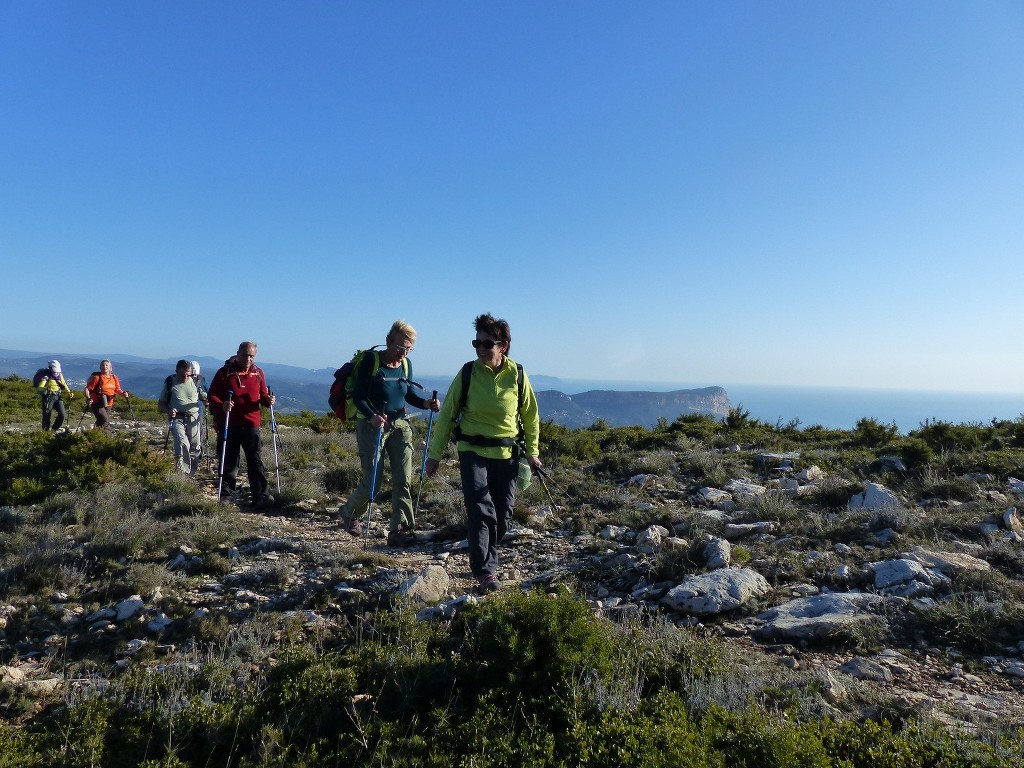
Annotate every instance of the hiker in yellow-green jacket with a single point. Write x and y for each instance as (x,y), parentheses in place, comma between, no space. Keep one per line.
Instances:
(495,421)
(50,382)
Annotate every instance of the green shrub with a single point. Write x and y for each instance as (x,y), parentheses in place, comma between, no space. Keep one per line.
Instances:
(1003,462)
(936,486)
(658,733)
(33,559)
(765,740)
(970,622)
(557,441)
(778,507)
(534,646)
(833,493)
(871,432)
(705,466)
(696,426)
(312,694)
(626,438)
(943,436)
(913,451)
(343,478)
(36,465)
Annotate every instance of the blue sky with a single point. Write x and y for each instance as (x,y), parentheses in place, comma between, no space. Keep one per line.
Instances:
(705,193)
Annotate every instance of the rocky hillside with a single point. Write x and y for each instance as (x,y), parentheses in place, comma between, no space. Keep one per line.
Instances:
(866,582)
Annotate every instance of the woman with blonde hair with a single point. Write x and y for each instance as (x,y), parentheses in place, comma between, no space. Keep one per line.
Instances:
(101,389)
(382,388)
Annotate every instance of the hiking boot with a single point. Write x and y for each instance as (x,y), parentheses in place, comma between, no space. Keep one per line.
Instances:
(401,538)
(489,583)
(266,500)
(352,525)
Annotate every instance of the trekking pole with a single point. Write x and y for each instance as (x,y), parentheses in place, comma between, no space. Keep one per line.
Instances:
(131,409)
(423,464)
(85,410)
(373,482)
(206,438)
(224,451)
(545,478)
(167,434)
(273,438)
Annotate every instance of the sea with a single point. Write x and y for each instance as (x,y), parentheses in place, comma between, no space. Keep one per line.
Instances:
(841,408)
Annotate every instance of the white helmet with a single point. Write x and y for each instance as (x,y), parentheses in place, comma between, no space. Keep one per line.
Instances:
(54,365)
(195,367)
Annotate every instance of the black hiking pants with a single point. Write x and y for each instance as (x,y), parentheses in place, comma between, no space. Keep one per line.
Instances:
(245,440)
(489,490)
(51,403)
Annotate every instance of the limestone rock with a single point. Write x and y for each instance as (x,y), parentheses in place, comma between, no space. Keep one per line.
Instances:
(650,539)
(716,592)
(746,487)
(717,552)
(1011,521)
(875,496)
(674,544)
(742,530)
(714,495)
(130,606)
(612,532)
(789,486)
(906,578)
(819,616)
(810,474)
(866,669)
(428,586)
(948,563)
(447,609)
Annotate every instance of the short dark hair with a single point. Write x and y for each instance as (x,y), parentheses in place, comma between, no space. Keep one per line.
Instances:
(498,329)
(182,364)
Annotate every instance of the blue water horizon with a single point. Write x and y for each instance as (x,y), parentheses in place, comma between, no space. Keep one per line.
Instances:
(839,407)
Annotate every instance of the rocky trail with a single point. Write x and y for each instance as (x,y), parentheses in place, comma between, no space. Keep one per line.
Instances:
(288,555)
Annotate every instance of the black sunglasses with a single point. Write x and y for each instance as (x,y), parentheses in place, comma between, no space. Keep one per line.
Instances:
(485,344)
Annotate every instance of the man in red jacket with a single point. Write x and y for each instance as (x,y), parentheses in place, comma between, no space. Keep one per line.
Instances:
(235,396)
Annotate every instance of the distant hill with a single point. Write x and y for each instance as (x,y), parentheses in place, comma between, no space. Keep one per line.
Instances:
(626,408)
(299,389)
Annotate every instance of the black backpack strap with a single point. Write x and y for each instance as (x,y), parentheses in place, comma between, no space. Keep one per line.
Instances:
(467,374)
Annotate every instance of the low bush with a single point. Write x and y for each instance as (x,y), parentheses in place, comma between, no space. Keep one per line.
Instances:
(39,464)
(970,622)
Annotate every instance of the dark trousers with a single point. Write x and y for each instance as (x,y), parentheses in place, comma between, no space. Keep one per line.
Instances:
(489,490)
(52,402)
(102,414)
(245,440)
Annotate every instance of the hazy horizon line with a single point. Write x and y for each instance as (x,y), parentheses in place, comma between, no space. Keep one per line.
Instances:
(575,382)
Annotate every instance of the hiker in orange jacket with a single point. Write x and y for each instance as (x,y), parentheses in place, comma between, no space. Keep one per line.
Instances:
(101,390)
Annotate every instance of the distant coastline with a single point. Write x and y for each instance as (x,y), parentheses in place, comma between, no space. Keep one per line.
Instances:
(840,407)
(832,407)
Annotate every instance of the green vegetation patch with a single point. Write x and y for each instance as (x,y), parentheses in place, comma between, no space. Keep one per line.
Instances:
(36,465)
